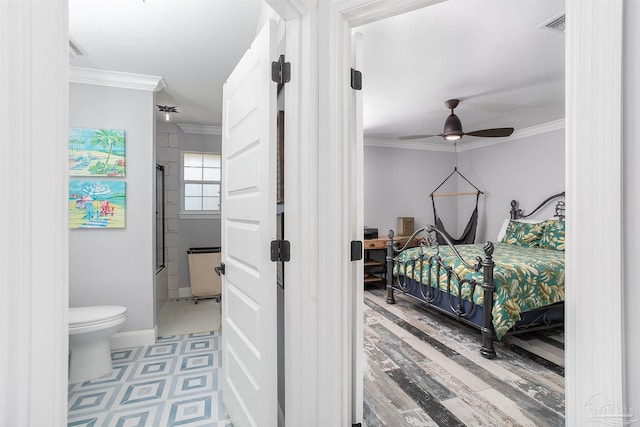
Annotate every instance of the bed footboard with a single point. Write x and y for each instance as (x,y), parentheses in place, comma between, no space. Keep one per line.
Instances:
(455,306)
(487,349)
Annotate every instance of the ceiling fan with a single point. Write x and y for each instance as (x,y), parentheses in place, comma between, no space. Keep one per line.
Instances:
(453,128)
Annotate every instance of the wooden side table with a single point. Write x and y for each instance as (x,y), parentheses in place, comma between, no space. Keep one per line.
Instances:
(375,268)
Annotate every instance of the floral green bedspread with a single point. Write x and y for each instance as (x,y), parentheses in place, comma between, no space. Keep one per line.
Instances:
(524,277)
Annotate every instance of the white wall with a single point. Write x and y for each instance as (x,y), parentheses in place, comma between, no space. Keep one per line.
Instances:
(195,232)
(527,169)
(167,155)
(116,266)
(387,197)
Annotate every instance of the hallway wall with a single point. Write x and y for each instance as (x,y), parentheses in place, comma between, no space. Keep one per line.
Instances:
(397,182)
(167,156)
(116,266)
(526,169)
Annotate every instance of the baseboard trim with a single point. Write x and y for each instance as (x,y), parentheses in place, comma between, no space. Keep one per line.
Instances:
(184,292)
(133,339)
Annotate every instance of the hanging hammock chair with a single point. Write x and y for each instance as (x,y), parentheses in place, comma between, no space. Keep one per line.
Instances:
(469,233)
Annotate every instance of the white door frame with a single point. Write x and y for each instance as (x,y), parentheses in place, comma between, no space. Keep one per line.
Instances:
(323,65)
(34,251)
(320,222)
(38,71)
(594,312)
(356,222)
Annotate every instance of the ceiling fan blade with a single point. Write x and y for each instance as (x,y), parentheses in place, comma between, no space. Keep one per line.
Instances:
(410,137)
(491,133)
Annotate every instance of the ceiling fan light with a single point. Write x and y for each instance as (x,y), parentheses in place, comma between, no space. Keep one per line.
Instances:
(452,137)
(452,125)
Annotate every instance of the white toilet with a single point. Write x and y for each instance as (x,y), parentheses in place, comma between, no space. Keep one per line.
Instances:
(90,329)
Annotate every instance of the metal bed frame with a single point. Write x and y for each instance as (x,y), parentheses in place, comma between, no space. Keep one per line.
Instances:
(456,306)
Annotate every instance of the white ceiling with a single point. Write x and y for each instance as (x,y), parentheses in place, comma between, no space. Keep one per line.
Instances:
(193,44)
(490,54)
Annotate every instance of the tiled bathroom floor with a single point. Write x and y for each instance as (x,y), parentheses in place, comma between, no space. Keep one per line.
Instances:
(172,383)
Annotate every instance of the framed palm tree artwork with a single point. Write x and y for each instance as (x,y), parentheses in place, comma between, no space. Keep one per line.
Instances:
(96,152)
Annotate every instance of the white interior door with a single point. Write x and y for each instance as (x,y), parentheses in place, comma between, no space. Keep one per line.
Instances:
(249,298)
(357,221)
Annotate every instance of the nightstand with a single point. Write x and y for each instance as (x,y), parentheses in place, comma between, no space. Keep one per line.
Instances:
(375,250)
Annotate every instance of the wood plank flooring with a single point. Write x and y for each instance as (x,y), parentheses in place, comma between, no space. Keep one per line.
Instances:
(424,369)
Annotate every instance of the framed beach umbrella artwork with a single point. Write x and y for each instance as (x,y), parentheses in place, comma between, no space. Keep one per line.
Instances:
(96,152)
(96,203)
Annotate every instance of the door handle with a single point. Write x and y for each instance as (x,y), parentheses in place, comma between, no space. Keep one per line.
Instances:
(220,269)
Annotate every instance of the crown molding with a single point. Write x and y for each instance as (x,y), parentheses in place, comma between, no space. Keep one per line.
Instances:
(519,134)
(480,143)
(117,79)
(409,145)
(200,129)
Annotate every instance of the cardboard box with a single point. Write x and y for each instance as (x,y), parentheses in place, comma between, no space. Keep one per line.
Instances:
(405,225)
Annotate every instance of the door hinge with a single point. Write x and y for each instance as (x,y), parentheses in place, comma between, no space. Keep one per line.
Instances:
(280,250)
(220,270)
(281,71)
(356,250)
(356,79)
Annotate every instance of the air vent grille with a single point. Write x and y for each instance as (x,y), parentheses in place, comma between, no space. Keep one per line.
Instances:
(555,24)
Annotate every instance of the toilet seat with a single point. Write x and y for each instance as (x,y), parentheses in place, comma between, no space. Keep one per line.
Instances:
(82,318)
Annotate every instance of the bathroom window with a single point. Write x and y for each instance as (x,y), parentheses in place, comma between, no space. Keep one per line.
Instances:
(201,173)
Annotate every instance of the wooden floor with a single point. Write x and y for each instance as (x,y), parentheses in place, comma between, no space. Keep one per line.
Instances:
(423,369)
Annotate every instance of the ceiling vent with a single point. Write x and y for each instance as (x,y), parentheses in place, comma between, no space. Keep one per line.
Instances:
(554,24)
(74,50)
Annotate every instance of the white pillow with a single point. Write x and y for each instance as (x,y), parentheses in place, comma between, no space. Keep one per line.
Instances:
(503,229)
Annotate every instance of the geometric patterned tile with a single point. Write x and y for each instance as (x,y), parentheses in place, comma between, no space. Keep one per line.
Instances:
(171,383)
(151,368)
(196,361)
(193,383)
(202,335)
(199,345)
(85,422)
(85,402)
(143,392)
(170,338)
(125,355)
(116,375)
(140,416)
(93,400)
(161,350)
(190,412)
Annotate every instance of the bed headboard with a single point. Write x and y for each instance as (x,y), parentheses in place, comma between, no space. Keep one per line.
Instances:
(516,213)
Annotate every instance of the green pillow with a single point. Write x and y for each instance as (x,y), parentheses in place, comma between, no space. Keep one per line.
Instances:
(553,235)
(523,234)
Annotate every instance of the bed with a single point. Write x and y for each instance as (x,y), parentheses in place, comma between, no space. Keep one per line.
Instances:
(522,274)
